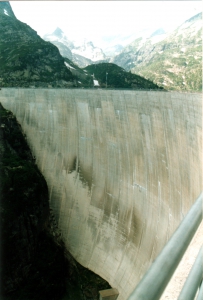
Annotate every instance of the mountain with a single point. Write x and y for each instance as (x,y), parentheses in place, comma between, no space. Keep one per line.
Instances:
(83,79)
(116,77)
(25,58)
(81,61)
(67,53)
(59,36)
(63,49)
(158,32)
(173,61)
(113,50)
(82,54)
(88,50)
(124,39)
(6,9)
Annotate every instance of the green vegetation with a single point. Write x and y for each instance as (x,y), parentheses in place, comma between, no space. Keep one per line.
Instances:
(175,63)
(117,77)
(28,60)
(82,78)
(175,69)
(174,73)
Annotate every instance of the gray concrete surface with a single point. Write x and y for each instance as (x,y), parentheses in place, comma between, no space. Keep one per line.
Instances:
(123,168)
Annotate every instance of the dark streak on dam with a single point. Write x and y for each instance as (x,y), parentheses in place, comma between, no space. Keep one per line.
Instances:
(123,168)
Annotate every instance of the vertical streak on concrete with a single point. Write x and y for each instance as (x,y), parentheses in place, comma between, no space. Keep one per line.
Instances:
(123,168)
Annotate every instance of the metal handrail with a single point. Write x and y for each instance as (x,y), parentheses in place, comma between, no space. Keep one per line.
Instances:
(157,277)
(194,279)
(200,292)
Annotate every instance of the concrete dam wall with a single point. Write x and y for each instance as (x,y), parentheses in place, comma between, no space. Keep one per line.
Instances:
(123,168)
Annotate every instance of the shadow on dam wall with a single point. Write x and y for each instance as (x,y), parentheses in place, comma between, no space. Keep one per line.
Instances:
(123,168)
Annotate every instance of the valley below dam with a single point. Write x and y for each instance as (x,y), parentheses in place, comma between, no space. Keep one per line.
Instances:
(123,168)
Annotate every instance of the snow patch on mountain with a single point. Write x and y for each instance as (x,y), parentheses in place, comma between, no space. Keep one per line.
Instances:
(5,12)
(96,82)
(69,66)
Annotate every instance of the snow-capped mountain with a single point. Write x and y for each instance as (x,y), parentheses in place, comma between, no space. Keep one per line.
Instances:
(88,50)
(83,53)
(59,36)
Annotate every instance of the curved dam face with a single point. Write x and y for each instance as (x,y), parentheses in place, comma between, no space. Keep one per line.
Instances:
(123,168)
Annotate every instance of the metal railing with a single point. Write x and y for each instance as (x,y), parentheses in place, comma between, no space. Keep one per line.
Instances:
(157,277)
(194,279)
(200,292)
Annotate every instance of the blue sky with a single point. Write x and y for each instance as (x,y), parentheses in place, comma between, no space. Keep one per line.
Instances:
(95,20)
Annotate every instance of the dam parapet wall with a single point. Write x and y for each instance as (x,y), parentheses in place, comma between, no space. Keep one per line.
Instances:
(123,168)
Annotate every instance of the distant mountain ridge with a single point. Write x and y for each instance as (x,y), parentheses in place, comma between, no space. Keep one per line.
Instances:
(173,61)
(158,32)
(88,50)
(84,54)
(194,18)
(58,35)
(113,50)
